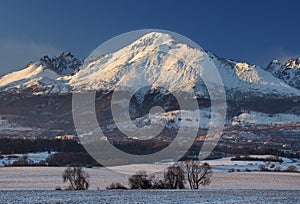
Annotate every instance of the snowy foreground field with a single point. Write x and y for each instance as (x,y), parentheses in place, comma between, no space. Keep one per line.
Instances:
(48,178)
(148,196)
(37,184)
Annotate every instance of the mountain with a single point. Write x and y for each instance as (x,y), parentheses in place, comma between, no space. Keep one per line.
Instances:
(288,72)
(161,59)
(260,101)
(175,73)
(46,76)
(61,74)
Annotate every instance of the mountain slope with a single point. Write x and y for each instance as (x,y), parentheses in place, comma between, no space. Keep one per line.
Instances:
(46,76)
(164,61)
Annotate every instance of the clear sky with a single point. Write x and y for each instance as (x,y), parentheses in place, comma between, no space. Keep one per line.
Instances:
(255,31)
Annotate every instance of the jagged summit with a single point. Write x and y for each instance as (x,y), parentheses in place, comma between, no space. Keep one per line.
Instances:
(46,76)
(277,64)
(293,63)
(63,64)
(288,72)
(274,64)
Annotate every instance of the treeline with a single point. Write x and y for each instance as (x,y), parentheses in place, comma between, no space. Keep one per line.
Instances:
(248,158)
(68,152)
(72,159)
(248,150)
(71,152)
(24,146)
(57,159)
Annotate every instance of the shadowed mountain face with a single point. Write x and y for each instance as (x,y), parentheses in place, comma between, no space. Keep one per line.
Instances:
(37,100)
(288,72)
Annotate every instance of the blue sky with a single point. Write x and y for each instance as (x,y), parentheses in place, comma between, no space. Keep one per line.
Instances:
(252,31)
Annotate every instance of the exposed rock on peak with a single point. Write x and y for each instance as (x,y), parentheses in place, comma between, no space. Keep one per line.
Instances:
(288,72)
(63,64)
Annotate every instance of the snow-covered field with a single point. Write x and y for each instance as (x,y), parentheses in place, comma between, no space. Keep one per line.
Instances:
(37,184)
(139,197)
(225,164)
(48,178)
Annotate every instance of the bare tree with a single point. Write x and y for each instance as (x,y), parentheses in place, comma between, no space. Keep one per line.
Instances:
(140,181)
(77,178)
(174,177)
(197,174)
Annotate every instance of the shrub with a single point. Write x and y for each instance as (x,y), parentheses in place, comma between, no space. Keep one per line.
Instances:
(58,188)
(140,181)
(263,168)
(23,161)
(158,183)
(291,169)
(116,186)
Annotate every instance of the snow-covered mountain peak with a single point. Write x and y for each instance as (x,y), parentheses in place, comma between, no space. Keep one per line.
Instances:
(274,65)
(156,57)
(247,72)
(293,63)
(32,71)
(46,76)
(155,39)
(161,59)
(275,61)
(288,72)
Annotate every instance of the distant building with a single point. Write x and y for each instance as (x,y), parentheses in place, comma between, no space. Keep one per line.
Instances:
(201,138)
(66,137)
